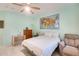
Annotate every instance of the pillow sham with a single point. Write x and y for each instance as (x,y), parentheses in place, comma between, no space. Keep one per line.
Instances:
(51,34)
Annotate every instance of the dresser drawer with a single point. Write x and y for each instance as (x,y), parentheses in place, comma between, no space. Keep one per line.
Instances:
(28,34)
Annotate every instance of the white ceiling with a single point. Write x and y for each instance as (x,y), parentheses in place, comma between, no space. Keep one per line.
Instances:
(44,7)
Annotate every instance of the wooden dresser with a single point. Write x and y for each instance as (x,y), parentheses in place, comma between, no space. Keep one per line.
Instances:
(27,33)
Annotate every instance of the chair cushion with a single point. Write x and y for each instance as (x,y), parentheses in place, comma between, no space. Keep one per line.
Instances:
(69,50)
(66,41)
(72,36)
(70,42)
(77,43)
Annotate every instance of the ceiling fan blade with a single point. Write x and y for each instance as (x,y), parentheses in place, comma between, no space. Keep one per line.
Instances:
(22,10)
(17,4)
(36,8)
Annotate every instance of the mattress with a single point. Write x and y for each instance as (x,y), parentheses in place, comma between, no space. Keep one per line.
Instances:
(41,45)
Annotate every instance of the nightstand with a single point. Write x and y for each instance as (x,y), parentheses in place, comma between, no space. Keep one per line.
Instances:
(36,35)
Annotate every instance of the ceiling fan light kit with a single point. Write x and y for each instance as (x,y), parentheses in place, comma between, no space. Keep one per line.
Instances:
(26,7)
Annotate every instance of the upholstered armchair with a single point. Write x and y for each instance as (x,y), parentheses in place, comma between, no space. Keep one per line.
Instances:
(70,45)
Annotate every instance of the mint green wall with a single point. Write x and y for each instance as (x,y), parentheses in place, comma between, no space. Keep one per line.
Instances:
(69,19)
(14,24)
(77,14)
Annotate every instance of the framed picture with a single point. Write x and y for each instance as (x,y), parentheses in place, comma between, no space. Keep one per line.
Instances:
(50,22)
(1,23)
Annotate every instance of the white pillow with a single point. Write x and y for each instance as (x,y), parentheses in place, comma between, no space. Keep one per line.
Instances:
(51,34)
(48,34)
(41,34)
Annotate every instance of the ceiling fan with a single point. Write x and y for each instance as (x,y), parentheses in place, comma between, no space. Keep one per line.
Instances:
(26,7)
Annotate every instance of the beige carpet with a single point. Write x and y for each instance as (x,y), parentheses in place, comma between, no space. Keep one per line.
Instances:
(11,51)
(18,51)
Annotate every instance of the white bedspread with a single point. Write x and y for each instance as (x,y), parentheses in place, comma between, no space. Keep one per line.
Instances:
(42,45)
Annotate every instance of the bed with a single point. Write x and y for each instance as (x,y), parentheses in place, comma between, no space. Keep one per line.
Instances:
(42,45)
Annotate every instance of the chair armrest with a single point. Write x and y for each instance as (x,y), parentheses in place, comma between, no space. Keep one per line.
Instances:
(61,46)
(78,47)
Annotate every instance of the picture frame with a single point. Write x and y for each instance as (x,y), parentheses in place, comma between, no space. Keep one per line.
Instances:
(50,22)
(1,23)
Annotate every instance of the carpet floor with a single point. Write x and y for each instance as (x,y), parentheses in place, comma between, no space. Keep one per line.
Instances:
(18,51)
